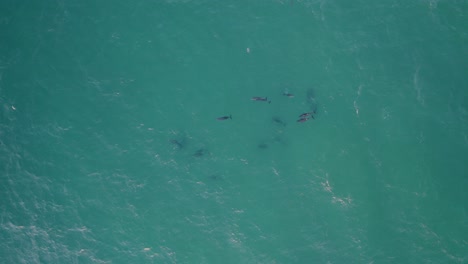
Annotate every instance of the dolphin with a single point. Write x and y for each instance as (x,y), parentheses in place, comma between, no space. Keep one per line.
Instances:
(258,98)
(307,115)
(224,118)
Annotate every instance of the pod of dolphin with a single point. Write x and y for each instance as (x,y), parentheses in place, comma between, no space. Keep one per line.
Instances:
(302,117)
(180,142)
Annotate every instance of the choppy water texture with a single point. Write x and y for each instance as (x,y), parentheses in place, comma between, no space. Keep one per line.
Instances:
(110,151)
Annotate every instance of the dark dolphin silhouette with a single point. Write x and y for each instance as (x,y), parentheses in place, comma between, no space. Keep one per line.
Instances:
(224,117)
(258,98)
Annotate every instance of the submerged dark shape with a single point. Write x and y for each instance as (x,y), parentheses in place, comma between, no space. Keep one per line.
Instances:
(278,121)
(224,117)
(215,177)
(290,95)
(303,119)
(178,143)
(199,153)
(258,98)
(263,145)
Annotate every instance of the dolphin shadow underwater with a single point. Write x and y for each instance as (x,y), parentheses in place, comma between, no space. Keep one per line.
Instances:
(178,143)
(181,144)
(215,177)
(276,140)
(200,152)
(278,121)
(262,145)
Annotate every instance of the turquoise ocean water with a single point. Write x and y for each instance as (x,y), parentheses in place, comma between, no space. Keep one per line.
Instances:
(110,151)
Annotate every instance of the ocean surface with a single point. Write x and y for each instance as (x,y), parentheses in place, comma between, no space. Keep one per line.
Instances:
(111,151)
